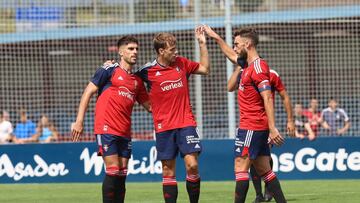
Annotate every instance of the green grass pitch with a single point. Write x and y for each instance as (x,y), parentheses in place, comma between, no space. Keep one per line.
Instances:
(329,191)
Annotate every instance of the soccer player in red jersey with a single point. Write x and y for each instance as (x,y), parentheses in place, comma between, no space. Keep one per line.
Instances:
(276,86)
(257,120)
(174,123)
(118,89)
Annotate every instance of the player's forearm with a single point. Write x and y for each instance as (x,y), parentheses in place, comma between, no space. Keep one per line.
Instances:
(147,106)
(84,103)
(227,50)
(204,58)
(232,82)
(288,108)
(269,109)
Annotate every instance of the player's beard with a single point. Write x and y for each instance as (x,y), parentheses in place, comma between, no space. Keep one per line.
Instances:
(130,61)
(243,55)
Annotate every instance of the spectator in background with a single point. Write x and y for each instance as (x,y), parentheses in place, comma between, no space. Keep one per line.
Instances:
(6,115)
(302,125)
(45,131)
(25,129)
(335,120)
(6,130)
(313,115)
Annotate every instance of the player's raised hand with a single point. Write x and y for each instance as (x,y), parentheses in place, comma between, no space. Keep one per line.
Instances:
(275,137)
(200,35)
(210,32)
(76,130)
(291,128)
(109,63)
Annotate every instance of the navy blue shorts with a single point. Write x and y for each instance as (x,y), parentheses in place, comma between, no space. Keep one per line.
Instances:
(251,143)
(112,144)
(169,143)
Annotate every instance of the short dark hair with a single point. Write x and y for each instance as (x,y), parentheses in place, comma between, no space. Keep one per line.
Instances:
(249,33)
(127,39)
(163,39)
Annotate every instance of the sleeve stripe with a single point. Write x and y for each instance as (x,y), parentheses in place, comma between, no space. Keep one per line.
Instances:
(257,66)
(263,81)
(273,71)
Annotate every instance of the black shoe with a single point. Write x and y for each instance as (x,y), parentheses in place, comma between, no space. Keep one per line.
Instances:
(259,198)
(268,197)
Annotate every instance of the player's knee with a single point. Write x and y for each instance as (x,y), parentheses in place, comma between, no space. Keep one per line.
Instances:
(168,172)
(262,170)
(192,168)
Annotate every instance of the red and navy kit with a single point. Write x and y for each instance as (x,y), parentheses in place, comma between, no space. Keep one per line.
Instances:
(118,91)
(169,93)
(255,78)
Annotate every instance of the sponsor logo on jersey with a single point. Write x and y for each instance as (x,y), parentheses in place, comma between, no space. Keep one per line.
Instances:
(105,127)
(120,78)
(125,92)
(159,125)
(171,84)
(157,73)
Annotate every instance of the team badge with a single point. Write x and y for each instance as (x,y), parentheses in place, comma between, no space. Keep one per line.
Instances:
(136,84)
(105,128)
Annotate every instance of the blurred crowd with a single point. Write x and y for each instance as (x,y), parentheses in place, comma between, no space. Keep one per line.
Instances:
(26,131)
(310,122)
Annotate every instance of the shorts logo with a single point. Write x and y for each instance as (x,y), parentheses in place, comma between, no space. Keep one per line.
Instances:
(129,145)
(238,149)
(192,139)
(238,142)
(106,147)
(197,146)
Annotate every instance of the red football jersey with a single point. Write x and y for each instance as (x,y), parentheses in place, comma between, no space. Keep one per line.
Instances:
(254,79)
(276,83)
(118,91)
(169,93)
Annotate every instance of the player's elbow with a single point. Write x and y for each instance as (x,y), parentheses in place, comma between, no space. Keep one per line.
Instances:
(206,70)
(230,88)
